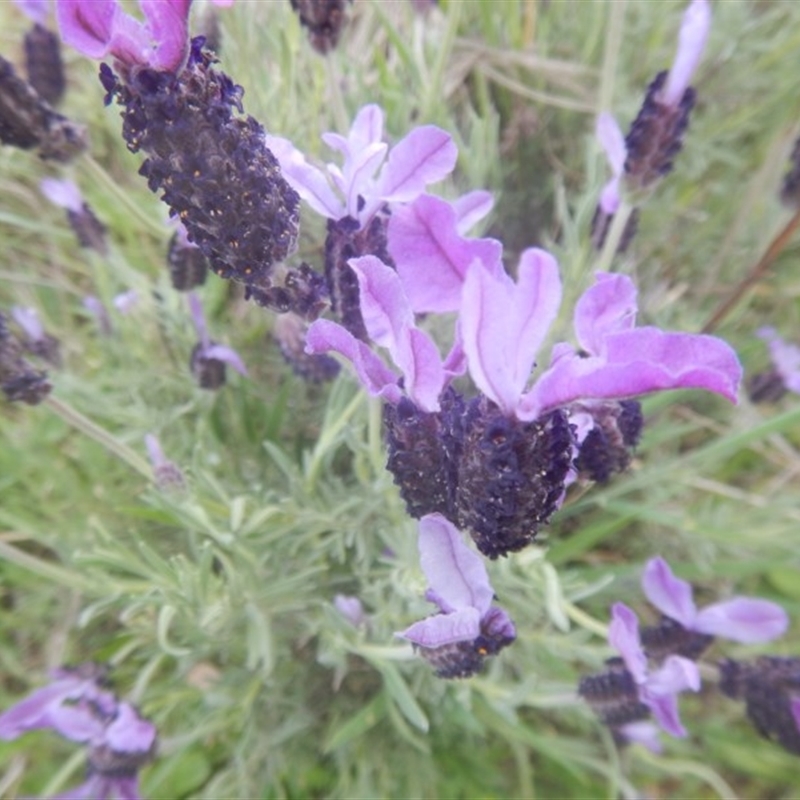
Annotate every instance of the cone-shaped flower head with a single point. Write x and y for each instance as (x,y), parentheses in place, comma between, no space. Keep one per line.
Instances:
(742,619)
(468,627)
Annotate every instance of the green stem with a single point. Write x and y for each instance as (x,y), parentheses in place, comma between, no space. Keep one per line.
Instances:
(100,435)
(614,236)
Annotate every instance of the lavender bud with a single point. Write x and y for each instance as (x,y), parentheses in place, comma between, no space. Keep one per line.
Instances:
(511,477)
(770,688)
(89,230)
(213,169)
(655,137)
(37,341)
(346,240)
(209,372)
(324,19)
(44,65)
(27,121)
(167,475)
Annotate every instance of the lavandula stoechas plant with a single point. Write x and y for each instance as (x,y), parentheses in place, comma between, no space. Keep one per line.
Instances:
(212,167)
(657,662)
(639,160)
(78,706)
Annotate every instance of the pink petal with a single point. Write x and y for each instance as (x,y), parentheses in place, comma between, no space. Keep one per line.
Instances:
(425,155)
(455,573)
(367,128)
(637,362)
(670,595)
(431,256)
(324,336)
(167,22)
(623,636)
(503,324)
(357,180)
(87,25)
(471,208)
(310,183)
(442,629)
(743,619)
(607,307)
(691,43)
(418,357)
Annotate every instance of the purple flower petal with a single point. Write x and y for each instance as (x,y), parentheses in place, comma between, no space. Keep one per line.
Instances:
(62,193)
(497,624)
(28,320)
(644,733)
(785,356)
(461,626)
(503,324)
(471,208)
(220,352)
(660,692)
(129,732)
(605,308)
(425,155)
(35,10)
(310,183)
(670,595)
(168,25)
(87,25)
(691,43)
(350,608)
(455,573)
(637,362)
(743,619)
(623,636)
(324,336)
(613,143)
(431,256)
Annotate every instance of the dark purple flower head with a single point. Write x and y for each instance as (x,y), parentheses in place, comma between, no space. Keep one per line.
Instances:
(99,28)
(468,627)
(742,619)
(657,689)
(19,381)
(372,174)
(503,324)
(37,340)
(389,321)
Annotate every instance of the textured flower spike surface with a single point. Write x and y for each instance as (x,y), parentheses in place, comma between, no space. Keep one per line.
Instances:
(78,707)
(468,628)
(212,167)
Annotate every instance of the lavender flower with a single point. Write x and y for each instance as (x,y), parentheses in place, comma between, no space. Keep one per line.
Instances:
(89,230)
(351,609)
(78,707)
(357,218)
(43,53)
(687,631)
(37,340)
(188,266)
(167,475)
(19,381)
(94,305)
(209,358)
(214,169)
(658,690)
(785,372)
(468,627)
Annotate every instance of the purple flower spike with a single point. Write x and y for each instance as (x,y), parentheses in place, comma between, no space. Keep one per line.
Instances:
(691,43)
(468,627)
(431,255)
(741,619)
(624,361)
(98,28)
(503,324)
(425,155)
(658,690)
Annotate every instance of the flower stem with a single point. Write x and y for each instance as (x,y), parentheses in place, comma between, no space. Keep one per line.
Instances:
(614,236)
